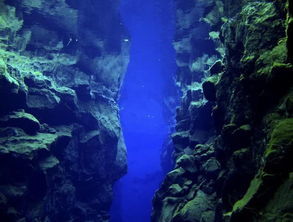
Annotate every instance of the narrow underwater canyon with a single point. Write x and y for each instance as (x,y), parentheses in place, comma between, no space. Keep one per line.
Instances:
(147,87)
(74,75)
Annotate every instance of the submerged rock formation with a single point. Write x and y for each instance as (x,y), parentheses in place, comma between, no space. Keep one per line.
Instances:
(61,146)
(233,140)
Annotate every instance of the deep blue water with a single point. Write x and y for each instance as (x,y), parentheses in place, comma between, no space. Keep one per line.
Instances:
(144,119)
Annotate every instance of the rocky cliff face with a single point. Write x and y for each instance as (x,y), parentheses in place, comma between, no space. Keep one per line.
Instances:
(233,140)
(61,147)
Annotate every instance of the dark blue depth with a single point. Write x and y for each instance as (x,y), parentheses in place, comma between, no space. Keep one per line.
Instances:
(145,119)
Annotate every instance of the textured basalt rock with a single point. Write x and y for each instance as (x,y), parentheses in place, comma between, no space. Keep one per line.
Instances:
(242,161)
(22,120)
(61,146)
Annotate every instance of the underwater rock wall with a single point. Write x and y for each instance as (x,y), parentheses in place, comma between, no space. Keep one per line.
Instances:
(61,146)
(233,139)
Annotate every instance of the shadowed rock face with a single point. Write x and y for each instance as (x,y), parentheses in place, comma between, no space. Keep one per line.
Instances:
(61,146)
(235,70)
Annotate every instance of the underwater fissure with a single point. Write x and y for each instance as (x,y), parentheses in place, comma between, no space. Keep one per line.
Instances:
(145,118)
(204,111)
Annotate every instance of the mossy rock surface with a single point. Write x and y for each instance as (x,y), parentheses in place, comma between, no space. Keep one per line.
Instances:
(23,120)
(282,136)
(277,166)
(28,146)
(195,210)
(251,193)
(268,58)
(279,208)
(279,153)
(251,157)
(7,82)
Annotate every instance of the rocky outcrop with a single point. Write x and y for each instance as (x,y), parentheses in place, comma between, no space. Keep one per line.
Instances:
(61,146)
(233,140)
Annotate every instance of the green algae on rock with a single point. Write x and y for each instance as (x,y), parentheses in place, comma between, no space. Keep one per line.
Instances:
(52,100)
(23,120)
(244,165)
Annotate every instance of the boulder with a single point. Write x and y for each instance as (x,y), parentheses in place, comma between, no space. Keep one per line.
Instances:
(26,146)
(42,99)
(175,176)
(187,162)
(209,90)
(169,205)
(22,120)
(196,210)
(175,190)
(201,149)
(211,166)
(181,138)
(48,163)
(216,68)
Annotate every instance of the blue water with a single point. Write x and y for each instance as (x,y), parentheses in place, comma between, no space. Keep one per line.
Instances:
(145,121)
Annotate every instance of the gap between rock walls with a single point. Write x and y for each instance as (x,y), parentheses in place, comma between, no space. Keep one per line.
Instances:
(200,93)
(147,105)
